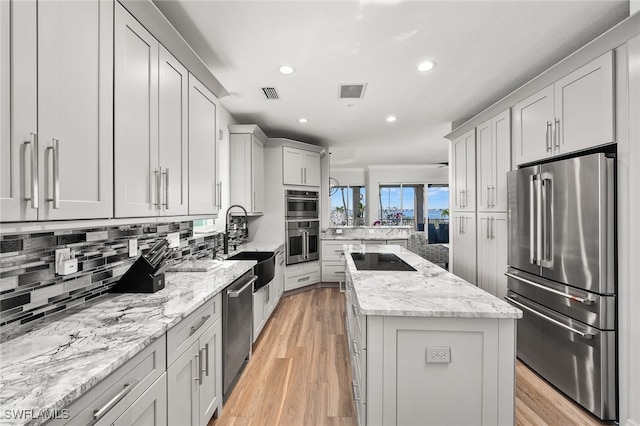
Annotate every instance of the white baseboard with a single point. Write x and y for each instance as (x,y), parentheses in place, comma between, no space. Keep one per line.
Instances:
(632,422)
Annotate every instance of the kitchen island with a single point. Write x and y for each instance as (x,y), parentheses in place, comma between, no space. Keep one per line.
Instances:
(426,346)
(50,365)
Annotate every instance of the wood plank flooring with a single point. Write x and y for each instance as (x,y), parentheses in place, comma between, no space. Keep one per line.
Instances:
(299,374)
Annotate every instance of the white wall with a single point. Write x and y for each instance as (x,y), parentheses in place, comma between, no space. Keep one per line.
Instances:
(634,6)
(349,176)
(383,175)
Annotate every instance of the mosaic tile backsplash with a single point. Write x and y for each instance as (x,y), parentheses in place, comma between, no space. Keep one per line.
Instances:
(30,289)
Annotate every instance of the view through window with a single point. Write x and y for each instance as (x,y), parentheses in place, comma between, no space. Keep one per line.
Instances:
(438,215)
(348,205)
(403,205)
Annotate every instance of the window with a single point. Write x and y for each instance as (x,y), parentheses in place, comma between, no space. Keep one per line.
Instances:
(438,214)
(402,205)
(348,205)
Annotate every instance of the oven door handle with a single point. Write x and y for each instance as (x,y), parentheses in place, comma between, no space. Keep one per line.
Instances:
(550,290)
(305,244)
(549,319)
(302,198)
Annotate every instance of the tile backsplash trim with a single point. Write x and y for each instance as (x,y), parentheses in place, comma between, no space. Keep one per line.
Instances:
(30,289)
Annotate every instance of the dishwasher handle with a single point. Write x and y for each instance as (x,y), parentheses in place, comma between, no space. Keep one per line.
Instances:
(236,293)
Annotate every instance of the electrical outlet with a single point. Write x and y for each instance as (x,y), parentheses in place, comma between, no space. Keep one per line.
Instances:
(338,231)
(61,256)
(439,354)
(133,247)
(174,239)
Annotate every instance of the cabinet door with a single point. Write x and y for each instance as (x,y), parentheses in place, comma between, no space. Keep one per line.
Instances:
(501,159)
(486,254)
(202,149)
(485,155)
(584,107)
(470,172)
(137,177)
(240,170)
(148,410)
(18,110)
(183,388)
(500,234)
(211,388)
(75,104)
(292,173)
(532,127)
(172,138)
(311,161)
(464,246)
(459,172)
(257,175)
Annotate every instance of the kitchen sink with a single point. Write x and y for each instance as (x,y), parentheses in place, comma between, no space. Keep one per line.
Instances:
(264,269)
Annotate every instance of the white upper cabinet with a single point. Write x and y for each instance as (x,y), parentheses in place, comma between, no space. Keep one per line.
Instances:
(151,145)
(493,162)
(57,124)
(574,113)
(246,152)
(137,178)
(464,172)
(300,167)
(203,197)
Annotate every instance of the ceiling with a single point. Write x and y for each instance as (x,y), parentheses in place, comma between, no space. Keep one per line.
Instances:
(483,51)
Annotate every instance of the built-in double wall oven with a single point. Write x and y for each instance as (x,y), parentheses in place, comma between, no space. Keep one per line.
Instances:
(302,205)
(303,241)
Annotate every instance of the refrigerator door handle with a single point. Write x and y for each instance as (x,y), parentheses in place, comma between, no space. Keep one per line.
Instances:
(538,186)
(550,290)
(532,191)
(549,319)
(546,182)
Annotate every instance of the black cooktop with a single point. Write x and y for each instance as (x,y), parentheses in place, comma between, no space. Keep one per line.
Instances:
(380,262)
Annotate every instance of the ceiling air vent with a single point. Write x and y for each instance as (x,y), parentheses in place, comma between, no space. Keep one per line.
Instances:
(270,93)
(352,91)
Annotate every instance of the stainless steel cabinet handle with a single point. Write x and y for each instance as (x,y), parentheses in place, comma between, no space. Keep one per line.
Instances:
(304,279)
(201,366)
(219,197)
(551,320)
(198,378)
(488,203)
(157,174)
(206,358)
(355,347)
(33,145)
(493,228)
(301,175)
(548,136)
(254,201)
(165,174)
(266,299)
(493,196)
(353,387)
(195,328)
(556,133)
(488,232)
(128,387)
(56,172)
(236,293)
(551,290)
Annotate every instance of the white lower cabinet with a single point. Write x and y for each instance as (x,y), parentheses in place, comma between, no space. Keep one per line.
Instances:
(463,238)
(148,410)
(332,264)
(301,275)
(492,253)
(194,376)
(259,298)
(393,384)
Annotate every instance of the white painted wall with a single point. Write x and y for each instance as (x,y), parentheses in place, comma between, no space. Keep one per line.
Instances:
(385,175)
(349,176)
(634,6)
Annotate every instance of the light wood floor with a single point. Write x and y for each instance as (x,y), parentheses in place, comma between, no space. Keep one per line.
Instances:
(299,374)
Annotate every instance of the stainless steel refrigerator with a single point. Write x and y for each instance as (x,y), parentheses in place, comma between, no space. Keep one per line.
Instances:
(562,274)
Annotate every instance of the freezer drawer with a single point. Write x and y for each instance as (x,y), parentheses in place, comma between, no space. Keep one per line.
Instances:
(592,309)
(581,363)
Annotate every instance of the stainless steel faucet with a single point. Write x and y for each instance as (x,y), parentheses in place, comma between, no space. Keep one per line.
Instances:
(226,226)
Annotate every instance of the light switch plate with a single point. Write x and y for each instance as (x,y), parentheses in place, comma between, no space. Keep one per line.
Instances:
(174,239)
(133,247)
(438,354)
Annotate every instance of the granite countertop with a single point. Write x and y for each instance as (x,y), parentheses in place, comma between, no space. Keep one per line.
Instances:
(430,291)
(366,233)
(49,366)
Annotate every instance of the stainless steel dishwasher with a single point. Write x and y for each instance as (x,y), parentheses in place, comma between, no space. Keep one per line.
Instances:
(237,318)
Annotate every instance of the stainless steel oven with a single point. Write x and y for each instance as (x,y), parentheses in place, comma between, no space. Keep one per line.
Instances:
(303,238)
(301,205)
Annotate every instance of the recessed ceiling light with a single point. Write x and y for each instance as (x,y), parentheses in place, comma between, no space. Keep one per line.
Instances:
(426,65)
(286,69)
(302,120)
(391,118)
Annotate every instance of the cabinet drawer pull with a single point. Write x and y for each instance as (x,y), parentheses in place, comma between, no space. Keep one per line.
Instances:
(165,174)
(33,146)
(304,279)
(195,328)
(128,387)
(55,147)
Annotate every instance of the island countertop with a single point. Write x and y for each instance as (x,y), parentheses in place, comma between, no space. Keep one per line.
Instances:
(51,365)
(430,291)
